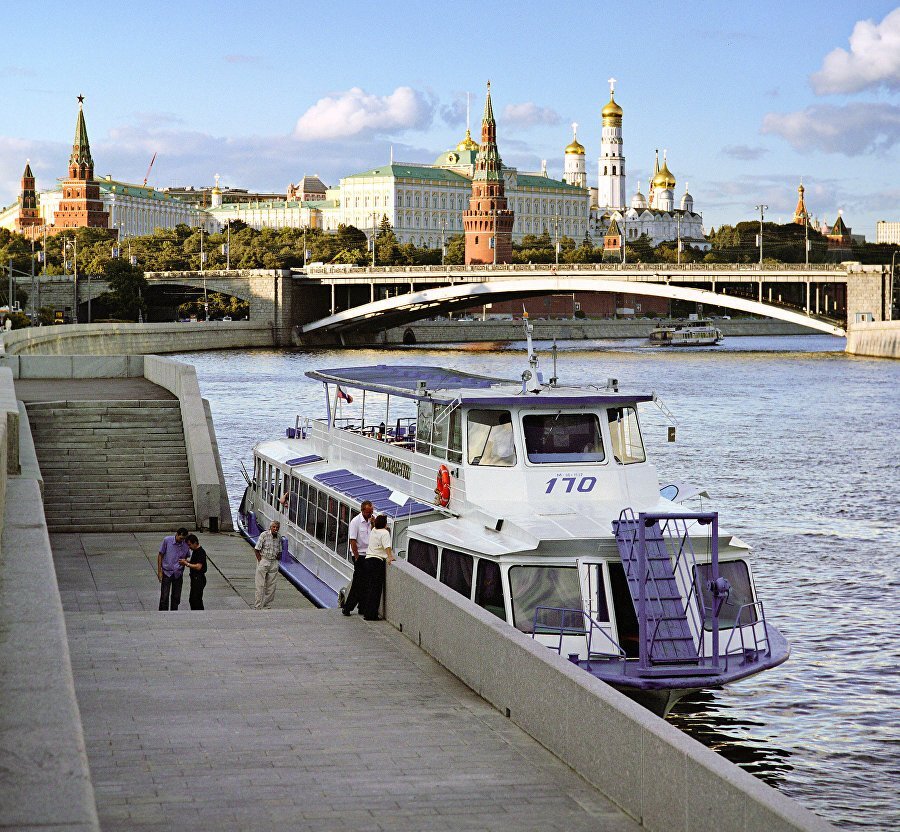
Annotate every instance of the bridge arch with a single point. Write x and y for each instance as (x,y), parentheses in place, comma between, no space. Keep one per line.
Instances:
(400,309)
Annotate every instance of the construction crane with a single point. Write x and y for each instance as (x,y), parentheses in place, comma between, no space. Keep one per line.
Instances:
(148,169)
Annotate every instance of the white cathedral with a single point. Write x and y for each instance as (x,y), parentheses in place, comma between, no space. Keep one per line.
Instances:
(654,215)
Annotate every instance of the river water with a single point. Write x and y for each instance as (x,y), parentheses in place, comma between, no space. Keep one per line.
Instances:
(797,443)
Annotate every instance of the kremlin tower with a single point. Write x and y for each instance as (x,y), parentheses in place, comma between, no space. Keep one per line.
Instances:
(80,206)
(611,167)
(574,167)
(29,218)
(488,222)
(800,213)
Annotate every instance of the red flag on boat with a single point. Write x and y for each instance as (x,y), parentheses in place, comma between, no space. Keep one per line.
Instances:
(345,396)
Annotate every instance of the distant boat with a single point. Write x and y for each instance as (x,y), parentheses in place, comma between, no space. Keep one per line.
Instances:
(687,334)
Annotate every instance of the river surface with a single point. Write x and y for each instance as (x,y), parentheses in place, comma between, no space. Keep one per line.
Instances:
(797,443)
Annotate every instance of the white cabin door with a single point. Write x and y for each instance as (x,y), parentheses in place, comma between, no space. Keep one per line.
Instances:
(595,600)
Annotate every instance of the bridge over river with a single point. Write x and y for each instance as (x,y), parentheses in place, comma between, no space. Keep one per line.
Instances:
(327,303)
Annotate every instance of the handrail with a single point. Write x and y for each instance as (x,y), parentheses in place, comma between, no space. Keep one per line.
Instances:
(739,628)
(588,632)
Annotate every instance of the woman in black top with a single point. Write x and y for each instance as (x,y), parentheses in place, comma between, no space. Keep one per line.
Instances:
(197,566)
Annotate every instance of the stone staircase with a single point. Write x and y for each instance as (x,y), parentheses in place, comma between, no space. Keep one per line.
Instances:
(113,465)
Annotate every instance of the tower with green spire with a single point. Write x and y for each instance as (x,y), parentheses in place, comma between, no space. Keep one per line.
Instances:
(29,217)
(80,206)
(488,222)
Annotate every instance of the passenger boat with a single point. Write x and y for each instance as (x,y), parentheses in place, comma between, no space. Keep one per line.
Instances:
(534,500)
(698,333)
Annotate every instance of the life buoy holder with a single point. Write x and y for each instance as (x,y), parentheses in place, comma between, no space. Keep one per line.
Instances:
(442,489)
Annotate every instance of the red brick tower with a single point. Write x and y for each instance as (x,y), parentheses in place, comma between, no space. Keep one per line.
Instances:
(80,206)
(488,223)
(29,218)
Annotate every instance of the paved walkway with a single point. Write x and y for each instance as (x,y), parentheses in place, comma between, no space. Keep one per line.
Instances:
(289,719)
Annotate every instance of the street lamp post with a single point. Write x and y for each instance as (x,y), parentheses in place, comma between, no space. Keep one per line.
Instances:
(762,210)
(494,238)
(893,280)
(73,245)
(443,235)
(203,274)
(556,235)
(678,239)
(374,237)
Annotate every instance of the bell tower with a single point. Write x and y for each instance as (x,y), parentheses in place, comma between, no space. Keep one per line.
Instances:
(488,222)
(611,165)
(80,206)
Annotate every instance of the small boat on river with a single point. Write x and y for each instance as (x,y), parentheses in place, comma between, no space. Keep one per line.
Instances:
(696,333)
(536,501)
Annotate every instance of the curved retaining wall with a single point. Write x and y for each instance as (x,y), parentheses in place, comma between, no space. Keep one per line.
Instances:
(880,339)
(664,779)
(137,339)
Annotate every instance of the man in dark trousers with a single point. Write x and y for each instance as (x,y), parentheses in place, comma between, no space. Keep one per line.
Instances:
(360,527)
(170,570)
(196,564)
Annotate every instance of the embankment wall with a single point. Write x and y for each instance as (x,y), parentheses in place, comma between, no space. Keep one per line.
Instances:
(658,775)
(880,339)
(137,339)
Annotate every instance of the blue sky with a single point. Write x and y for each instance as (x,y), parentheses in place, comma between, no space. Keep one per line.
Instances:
(746,98)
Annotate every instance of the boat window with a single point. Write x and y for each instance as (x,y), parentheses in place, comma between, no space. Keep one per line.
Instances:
(331,531)
(738,575)
(343,532)
(490,438)
(423,427)
(321,516)
(423,555)
(440,432)
(456,571)
(563,437)
(301,504)
(489,588)
(625,434)
(311,503)
(545,586)
(293,499)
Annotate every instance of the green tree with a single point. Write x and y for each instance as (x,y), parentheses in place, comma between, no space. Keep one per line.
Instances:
(127,286)
(456,250)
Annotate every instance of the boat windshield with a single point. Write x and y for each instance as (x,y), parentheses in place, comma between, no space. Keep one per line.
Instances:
(544,586)
(625,433)
(490,438)
(563,437)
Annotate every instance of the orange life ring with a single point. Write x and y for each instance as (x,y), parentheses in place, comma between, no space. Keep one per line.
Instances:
(442,489)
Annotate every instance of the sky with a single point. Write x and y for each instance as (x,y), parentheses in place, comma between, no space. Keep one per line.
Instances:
(746,98)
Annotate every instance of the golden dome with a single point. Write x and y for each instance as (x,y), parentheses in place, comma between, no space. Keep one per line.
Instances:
(611,110)
(468,143)
(664,178)
(575,147)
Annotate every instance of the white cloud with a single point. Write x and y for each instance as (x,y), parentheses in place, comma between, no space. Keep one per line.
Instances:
(872,62)
(744,152)
(852,129)
(529,114)
(356,112)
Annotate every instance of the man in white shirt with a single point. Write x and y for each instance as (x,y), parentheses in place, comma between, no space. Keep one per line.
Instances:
(360,528)
(268,550)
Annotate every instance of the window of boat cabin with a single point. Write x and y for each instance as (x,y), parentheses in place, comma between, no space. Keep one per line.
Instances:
(439,431)
(302,497)
(738,575)
(456,571)
(343,532)
(625,435)
(489,437)
(312,502)
(293,499)
(553,587)
(489,588)
(331,530)
(321,517)
(563,437)
(423,556)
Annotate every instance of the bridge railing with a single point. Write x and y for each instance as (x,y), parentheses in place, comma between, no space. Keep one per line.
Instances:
(345,270)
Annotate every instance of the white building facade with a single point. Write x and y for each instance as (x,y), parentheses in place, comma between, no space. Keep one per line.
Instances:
(887,232)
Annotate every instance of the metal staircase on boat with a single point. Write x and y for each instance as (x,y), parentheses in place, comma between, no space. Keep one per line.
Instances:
(666,636)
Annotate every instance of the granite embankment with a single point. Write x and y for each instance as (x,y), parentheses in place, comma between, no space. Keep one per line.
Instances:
(138,339)
(879,339)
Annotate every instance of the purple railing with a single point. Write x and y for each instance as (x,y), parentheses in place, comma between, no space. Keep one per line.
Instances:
(564,629)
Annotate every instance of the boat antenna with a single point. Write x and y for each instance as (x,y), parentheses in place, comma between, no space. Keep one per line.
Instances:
(532,374)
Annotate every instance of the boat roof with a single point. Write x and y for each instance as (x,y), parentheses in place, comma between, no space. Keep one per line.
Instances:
(446,385)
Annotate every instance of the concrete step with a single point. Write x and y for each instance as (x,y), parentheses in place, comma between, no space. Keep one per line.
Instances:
(163,527)
(155,499)
(163,454)
(147,485)
(67,479)
(116,428)
(107,404)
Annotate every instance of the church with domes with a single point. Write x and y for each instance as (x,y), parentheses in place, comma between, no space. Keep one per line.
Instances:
(658,215)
